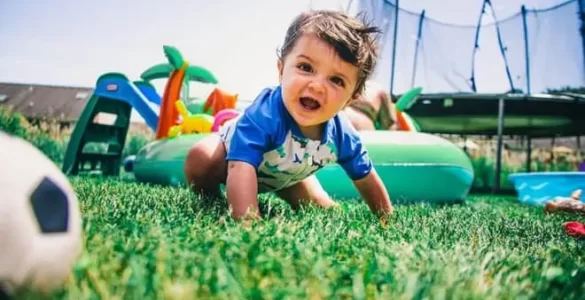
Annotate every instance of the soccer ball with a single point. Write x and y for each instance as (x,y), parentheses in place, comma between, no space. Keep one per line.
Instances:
(40,222)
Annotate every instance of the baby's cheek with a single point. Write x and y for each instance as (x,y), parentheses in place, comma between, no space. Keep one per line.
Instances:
(340,99)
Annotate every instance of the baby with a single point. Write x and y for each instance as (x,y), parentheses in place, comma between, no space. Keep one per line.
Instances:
(291,131)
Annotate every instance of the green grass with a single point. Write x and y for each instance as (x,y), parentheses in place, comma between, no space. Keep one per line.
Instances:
(154,242)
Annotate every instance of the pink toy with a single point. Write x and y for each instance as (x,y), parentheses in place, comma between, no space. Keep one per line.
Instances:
(222,116)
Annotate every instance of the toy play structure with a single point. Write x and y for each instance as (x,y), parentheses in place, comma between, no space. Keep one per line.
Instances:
(106,118)
(405,122)
(113,99)
(409,162)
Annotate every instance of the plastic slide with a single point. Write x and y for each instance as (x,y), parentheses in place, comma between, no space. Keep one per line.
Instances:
(117,86)
(148,91)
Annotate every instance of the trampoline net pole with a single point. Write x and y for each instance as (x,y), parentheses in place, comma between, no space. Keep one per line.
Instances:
(526,51)
(498,169)
(502,47)
(394,47)
(416,48)
(528,154)
(476,47)
(582,29)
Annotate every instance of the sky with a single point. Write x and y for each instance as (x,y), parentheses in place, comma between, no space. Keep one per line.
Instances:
(73,42)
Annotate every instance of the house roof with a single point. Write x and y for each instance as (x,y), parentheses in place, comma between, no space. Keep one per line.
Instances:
(45,101)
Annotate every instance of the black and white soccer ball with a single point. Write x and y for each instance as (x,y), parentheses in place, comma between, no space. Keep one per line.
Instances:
(40,222)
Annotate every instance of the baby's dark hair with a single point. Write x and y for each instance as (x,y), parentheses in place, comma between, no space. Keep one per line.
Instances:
(349,37)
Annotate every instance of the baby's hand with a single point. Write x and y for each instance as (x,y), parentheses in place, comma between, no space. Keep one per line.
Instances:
(384,221)
(374,192)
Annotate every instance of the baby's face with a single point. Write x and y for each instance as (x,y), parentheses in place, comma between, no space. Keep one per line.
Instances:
(316,82)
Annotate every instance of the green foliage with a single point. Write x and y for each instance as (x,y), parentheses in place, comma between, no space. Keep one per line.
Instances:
(12,123)
(16,124)
(567,89)
(134,143)
(485,177)
(146,242)
(484,170)
(54,146)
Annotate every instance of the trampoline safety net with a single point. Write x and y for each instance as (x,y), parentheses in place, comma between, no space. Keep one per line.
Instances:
(532,51)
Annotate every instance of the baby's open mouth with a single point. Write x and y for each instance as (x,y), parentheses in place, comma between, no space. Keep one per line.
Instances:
(310,103)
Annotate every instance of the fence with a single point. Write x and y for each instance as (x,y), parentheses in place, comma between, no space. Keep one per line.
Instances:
(532,51)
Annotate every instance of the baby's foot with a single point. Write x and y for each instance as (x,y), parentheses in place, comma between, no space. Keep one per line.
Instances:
(566,206)
(576,195)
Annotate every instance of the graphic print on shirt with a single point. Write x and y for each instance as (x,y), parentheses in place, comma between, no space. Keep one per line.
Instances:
(285,166)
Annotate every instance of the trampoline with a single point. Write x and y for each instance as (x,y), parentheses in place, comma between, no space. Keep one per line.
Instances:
(529,116)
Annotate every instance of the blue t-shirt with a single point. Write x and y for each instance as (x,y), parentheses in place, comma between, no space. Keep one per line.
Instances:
(266,136)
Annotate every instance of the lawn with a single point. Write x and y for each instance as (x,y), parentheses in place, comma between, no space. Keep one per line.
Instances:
(158,242)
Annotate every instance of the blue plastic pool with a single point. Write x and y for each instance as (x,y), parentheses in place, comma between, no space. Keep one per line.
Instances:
(540,187)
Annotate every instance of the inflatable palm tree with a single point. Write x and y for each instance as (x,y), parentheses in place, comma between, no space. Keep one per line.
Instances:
(405,122)
(179,73)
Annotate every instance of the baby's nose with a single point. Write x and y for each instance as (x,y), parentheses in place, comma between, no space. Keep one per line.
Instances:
(317,84)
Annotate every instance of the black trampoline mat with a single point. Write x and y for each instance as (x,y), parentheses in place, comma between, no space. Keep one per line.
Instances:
(535,115)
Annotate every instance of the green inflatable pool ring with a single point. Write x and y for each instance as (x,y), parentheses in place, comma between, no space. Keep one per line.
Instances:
(414,166)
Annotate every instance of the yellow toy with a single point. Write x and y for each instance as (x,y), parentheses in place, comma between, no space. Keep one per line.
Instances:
(198,123)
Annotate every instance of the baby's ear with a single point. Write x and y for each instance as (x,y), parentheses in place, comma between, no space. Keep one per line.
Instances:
(280,66)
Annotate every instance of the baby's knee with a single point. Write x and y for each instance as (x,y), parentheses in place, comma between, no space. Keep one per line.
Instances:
(195,159)
(203,160)
(197,163)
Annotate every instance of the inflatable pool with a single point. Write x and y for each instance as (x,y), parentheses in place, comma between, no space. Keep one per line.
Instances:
(539,187)
(415,167)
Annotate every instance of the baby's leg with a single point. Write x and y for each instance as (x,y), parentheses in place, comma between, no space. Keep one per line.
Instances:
(359,120)
(206,167)
(306,192)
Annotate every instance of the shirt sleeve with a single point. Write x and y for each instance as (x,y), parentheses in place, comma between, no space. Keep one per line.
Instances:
(353,156)
(252,134)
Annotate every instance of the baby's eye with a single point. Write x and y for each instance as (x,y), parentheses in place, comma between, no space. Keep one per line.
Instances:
(338,81)
(305,67)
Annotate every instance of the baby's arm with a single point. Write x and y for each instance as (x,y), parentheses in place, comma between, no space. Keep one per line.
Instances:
(242,190)
(248,139)
(374,193)
(244,155)
(354,159)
